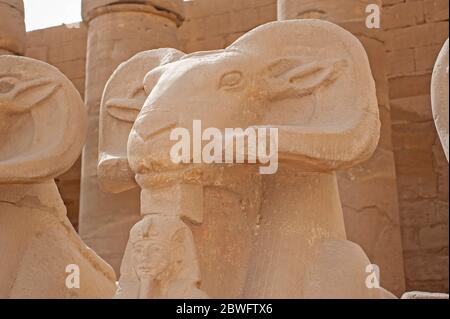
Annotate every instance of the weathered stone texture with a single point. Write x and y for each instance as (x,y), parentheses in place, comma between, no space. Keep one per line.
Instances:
(368,191)
(114,36)
(12,27)
(294,206)
(65,48)
(416,31)
(214,24)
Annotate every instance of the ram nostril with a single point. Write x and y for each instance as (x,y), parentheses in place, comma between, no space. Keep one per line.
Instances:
(153,123)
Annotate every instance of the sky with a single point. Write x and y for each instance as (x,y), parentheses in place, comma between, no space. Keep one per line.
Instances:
(41,14)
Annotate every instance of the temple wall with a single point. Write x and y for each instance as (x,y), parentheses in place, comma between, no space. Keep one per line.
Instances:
(214,24)
(65,48)
(416,31)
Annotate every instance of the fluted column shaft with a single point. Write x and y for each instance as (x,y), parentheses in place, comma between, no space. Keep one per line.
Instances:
(117,30)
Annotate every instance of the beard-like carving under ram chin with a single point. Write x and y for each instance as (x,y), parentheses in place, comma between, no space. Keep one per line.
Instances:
(321,98)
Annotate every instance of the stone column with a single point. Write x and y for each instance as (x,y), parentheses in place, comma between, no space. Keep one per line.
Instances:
(368,191)
(12,27)
(117,30)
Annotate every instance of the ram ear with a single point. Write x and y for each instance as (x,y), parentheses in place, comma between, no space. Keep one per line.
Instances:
(289,77)
(42,121)
(319,89)
(24,95)
(122,100)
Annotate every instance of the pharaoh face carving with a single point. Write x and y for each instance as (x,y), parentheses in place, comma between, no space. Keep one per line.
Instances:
(163,257)
(150,254)
(319,95)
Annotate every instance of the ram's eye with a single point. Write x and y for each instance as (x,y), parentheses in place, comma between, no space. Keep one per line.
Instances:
(231,80)
(7,84)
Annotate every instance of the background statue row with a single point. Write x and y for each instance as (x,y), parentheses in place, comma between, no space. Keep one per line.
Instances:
(206,230)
